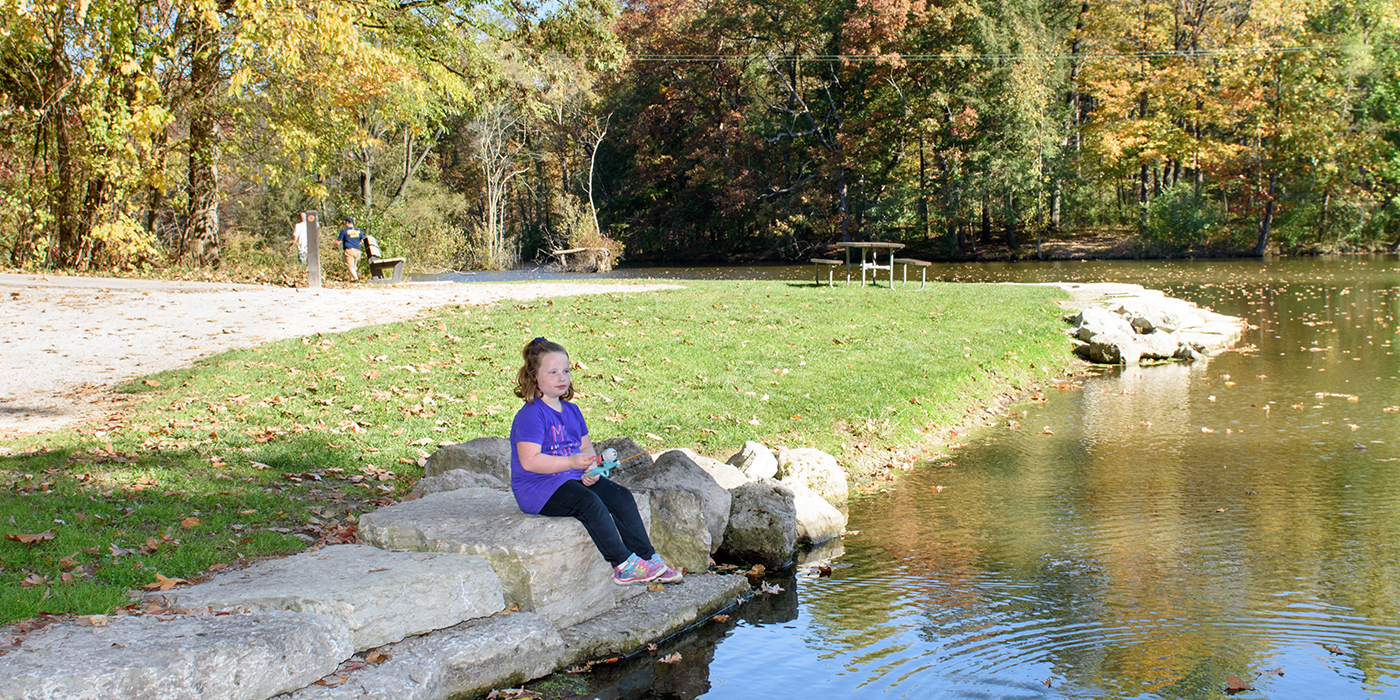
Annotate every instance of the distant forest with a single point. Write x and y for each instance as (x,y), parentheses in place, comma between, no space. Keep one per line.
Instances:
(152,133)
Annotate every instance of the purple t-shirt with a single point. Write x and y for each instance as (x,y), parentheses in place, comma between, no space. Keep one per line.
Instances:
(557,433)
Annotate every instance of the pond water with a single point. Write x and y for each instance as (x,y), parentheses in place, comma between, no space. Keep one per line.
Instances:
(1136,533)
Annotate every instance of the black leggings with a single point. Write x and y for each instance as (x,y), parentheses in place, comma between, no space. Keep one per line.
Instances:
(609,513)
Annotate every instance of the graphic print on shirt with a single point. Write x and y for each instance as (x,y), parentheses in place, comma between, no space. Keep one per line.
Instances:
(559,442)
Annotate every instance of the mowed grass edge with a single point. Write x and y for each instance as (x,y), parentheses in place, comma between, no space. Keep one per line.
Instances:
(267,450)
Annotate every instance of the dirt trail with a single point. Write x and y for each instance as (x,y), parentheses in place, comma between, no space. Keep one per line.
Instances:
(69,340)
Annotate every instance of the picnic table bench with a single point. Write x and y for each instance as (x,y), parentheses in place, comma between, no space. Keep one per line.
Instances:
(871,263)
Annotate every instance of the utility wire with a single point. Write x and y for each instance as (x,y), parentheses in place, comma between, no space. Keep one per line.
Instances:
(950,57)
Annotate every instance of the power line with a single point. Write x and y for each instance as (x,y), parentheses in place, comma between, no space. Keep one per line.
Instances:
(993,57)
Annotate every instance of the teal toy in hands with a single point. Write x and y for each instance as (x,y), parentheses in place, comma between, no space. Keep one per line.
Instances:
(607,463)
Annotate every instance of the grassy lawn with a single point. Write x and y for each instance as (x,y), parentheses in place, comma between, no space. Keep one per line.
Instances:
(265,451)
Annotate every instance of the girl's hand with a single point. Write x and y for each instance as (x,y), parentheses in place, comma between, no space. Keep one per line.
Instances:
(582,461)
(590,479)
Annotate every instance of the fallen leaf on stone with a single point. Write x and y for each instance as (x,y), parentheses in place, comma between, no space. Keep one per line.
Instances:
(1234,684)
(721,618)
(672,658)
(377,657)
(31,539)
(189,522)
(755,572)
(586,668)
(330,681)
(163,584)
(93,620)
(511,694)
(655,587)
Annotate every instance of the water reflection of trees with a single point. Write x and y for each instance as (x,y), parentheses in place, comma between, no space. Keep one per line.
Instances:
(1159,539)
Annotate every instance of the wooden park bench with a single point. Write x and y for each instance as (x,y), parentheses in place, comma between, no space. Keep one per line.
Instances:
(830,269)
(383,269)
(904,270)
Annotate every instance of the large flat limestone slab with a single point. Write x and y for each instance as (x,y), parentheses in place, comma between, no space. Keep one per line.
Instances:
(545,565)
(509,649)
(501,651)
(175,657)
(380,596)
(653,616)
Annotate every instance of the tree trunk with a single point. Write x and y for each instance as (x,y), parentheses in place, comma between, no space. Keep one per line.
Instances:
(1266,220)
(202,242)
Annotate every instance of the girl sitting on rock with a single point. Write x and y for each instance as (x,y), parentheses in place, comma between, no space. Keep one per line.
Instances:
(550,451)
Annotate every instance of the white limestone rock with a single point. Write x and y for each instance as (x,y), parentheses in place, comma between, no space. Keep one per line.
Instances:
(756,461)
(677,527)
(495,652)
(380,596)
(762,524)
(545,565)
(674,470)
(817,471)
(486,455)
(817,520)
(249,656)
(458,479)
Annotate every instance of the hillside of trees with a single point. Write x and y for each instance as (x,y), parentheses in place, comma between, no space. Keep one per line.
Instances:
(139,134)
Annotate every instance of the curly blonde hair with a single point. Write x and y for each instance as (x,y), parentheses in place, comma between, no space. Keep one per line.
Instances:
(532,353)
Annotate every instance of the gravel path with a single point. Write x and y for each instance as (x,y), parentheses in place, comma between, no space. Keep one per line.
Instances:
(69,340)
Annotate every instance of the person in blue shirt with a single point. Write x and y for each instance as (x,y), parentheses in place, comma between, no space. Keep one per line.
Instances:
(351,240)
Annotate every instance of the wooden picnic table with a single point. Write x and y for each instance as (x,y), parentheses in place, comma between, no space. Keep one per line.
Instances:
(870,260)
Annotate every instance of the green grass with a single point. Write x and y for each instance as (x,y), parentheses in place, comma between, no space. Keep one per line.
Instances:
(259,452)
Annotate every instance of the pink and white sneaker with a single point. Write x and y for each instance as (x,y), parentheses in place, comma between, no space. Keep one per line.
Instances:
(670,575)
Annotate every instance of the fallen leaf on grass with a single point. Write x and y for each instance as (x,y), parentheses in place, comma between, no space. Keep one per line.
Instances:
(163,584)
(31,539)
(672,658)
(34,580)
(189,522)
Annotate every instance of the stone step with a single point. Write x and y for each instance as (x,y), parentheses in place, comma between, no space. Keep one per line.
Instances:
(249,656)
(545,565)
(380,596)
(509,649)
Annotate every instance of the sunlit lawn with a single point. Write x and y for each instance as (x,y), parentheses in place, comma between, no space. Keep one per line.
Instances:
(264,451)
